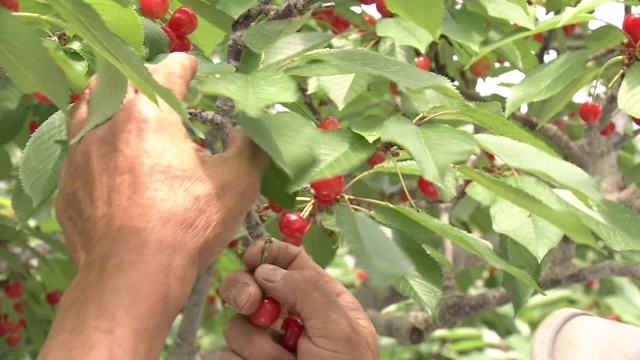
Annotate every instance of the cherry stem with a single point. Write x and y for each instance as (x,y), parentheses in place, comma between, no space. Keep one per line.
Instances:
(404,185)
(431,117)
(307,209)
(611,61)
(372,201)
(265,251)
(290,61)
(357,178)
(618,75)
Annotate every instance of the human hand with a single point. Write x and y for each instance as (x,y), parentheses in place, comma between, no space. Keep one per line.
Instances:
(137,187)
(336,326)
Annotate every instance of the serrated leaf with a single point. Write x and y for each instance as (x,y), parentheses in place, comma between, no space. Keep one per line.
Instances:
(262,36)
(275,183)
(321,247)
(155,39)
(408,219)
(342,89)
(514,252)
(536,234)
(121,20)
(28,62)
(107,96)
(510,11)
(532,160)
(414,10)
(617,226)
(252,93)
(373,246)
(547,79)
(352,61)
(404,32)
(630,92)
(563,219)
(304,152)
(88,24)
(13,110)
(42,158)
(295,44)
(465,26)
(434,147)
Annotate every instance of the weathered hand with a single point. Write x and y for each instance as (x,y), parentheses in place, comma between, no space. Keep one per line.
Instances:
(336,326)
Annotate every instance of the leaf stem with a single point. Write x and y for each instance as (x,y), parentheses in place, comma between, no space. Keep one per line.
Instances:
(357,178)
(404,185)
(431,117)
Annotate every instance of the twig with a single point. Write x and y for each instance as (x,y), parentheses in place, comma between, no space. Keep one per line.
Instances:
(626,137)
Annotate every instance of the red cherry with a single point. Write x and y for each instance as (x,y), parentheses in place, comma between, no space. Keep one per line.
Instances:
(370,19)
(590,112)
(294,242)
(403,197)
(323,15)
(608,130)
(561,125)
(33,126)
(4,328)
(75,98)
(211,299)
(631,26)
(13,5)
(200,143)
(154,9)
(13,339)
(293,327)
(182,44)
(423,62)
(377,158)
(500,60)
(267,313)
(537,37)
(481,67)
(636,121)
(591,283)
(233,244)
(428,189)
(572,114)
(490,156)
(276,208)
(40,96)
(292,225)
(613,317)
(53,297)
(381,6)
(394,89)
(467,182)
(183,21)
(329,123)
(492,270)
(328,189)
(14,290)
(171,36)
(367,2)
(339,24)
(21,323)
(362,275)
(570,29)
(17,307)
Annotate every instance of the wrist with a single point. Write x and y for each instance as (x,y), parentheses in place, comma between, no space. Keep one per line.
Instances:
(123,309)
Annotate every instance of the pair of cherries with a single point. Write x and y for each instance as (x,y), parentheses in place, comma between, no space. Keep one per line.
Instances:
(268,313)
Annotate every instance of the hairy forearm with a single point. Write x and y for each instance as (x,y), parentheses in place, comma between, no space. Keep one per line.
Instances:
(120,310)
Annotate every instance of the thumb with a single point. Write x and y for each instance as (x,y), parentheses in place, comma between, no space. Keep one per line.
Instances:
(302,291)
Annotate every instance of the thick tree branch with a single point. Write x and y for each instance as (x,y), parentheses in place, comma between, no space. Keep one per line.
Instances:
(407,328)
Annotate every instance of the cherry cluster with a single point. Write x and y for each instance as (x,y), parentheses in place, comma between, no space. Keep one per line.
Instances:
(268,313)
(11,329)
(182,22)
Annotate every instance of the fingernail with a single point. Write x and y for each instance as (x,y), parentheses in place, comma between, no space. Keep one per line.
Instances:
(270,273)
(241,295)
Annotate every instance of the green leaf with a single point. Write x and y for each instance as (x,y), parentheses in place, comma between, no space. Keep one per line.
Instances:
(465,26)
(121,20)
(508,10)
(22,204)
(630,92)
(513,252)
(42,158)
(352,61)
(252,93)
(275,183)
(28,62)
(408,220)
(88,24)
(108,95)
(424,285)
(13,110)
(404,32)
(369,126)
(262,36)
(562,218)
(617,225)
(547,79)
(407,167)
(321,247)
(536,234)
(434,147)
(532,160)
(6,166)
(373,246)
(304,152)
(294,45)
(155,39)
(414,10)
(235,8)
(342,89)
